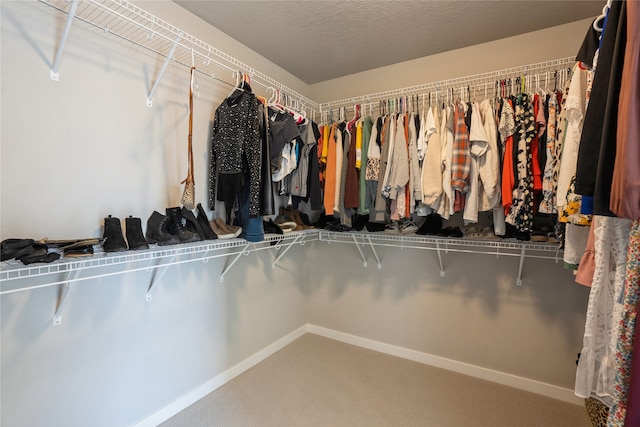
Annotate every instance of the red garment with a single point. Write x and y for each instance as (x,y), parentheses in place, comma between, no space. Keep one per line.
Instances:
(508,176)
(461,158)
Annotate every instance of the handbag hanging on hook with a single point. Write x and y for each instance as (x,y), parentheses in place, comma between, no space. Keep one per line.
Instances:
(188,195)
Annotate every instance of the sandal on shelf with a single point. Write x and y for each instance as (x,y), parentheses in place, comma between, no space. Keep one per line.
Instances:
(489,234)
(539,237)
(472,232)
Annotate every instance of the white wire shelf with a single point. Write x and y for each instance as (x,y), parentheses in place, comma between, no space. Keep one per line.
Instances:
(478,82)
(137,26)
(129,261)
(16,277)
(479,246)
(500,247)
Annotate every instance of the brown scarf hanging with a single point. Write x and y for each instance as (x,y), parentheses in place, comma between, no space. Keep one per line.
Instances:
(188,195)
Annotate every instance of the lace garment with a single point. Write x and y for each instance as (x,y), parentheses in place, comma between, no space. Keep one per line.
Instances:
(596,369)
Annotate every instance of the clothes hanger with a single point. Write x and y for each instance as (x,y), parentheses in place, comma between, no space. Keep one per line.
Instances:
(236,87)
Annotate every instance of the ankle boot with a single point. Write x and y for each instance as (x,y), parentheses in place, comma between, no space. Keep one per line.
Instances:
(158,230)
(205,226)
(135,238)
(113,238)
(293,215)
(191,223)
(177,228)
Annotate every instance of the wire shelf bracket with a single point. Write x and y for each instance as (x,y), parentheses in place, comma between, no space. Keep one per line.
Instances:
(157,276)
(165,64)
(299,239)
(245,251)
(54,75)
(66,291)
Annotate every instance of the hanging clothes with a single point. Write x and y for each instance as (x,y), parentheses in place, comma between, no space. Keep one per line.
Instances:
(625,187)
(367,129)
(372,171)
(330,171)
(627,362)
(551,169)
(597,145)
(431,174)
(596,368)
(461,160)
(235,148)
(507,131)
(521,212)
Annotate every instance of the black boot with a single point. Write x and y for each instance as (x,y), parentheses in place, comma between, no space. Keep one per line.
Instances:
(191,223)
(113,238)
(205,226)
(158,230)
(135,238)
(177,228)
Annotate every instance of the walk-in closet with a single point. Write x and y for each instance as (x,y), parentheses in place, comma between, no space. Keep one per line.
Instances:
(319,213)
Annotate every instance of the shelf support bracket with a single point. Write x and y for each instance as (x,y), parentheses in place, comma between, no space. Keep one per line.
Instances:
(364,259)
(157,277)
(53,74)
(522,253)
(162,70)
(244,251)
(298,239)
(66,290)
(440,259)
(373,249)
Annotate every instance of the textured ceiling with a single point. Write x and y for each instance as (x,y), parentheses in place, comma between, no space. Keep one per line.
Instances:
(322,40)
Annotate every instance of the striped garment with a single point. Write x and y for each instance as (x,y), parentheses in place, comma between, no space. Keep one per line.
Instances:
(461,160)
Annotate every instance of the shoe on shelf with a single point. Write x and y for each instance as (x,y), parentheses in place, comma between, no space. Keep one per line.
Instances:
(235,230)
(374,227)
(294,215)
(392,228)
(177,228)
(205,226)
(408,226)
(15,248)
(285,222)
(113,238)
(191,223)
(135,238)
(221,231)
(271,227)
(158,230)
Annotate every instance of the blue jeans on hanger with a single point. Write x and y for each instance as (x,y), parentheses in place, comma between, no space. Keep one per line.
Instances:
(252,229)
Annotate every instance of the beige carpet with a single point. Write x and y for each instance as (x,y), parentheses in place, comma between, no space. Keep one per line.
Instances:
(316,381)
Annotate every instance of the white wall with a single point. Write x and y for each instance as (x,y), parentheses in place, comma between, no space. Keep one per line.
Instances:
(88,146)
(538,46)
(476,314)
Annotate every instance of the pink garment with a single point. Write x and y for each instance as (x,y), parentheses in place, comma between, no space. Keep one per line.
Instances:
(587,266)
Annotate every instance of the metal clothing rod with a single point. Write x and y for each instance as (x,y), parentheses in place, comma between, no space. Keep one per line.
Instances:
(447,84)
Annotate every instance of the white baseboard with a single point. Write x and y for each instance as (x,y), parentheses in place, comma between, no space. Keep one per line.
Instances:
(533,386)
(220,380)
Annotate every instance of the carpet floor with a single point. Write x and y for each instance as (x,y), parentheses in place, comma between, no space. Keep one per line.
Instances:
(316,381)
